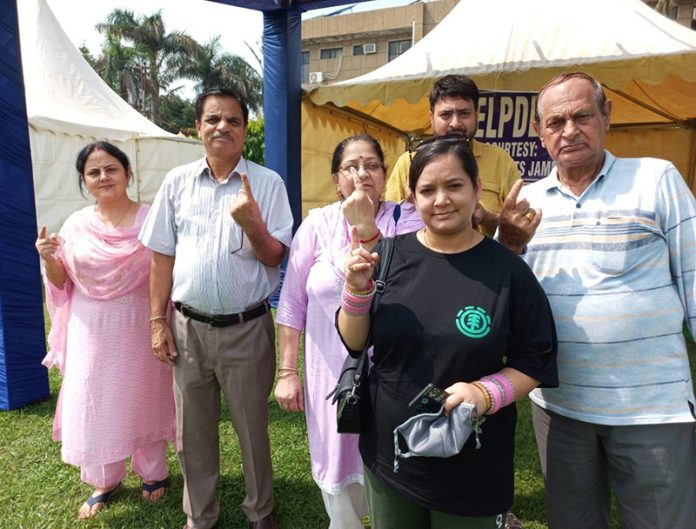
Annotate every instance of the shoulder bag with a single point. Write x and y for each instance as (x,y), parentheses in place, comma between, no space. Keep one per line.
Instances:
(351,392)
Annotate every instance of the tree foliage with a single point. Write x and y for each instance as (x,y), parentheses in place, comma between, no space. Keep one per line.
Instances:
(146,53)
(210,67)
(178,115)
(254,149)
(141,61)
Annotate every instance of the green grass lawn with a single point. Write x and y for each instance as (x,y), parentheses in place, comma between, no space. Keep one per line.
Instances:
(38,491)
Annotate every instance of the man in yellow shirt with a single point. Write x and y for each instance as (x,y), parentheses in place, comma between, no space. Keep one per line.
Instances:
(454,108)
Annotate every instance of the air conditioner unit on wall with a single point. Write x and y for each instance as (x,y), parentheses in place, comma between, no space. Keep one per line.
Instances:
(369,48)
(316,77)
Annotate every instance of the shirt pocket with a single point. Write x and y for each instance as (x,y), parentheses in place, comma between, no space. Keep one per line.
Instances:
(490,196)
(620,244)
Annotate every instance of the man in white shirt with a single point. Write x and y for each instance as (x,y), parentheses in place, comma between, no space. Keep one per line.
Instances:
(218,229)
(615,254)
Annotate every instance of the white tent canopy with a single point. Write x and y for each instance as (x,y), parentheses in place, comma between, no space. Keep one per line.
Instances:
(68,106)
(647,61)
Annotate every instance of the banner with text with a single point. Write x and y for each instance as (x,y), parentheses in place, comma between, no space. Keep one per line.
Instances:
(505,120)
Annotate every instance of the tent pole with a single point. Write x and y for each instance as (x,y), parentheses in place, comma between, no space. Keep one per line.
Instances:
(281,100)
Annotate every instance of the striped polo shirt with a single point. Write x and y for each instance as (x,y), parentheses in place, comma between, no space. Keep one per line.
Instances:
(617,264)
(216,270)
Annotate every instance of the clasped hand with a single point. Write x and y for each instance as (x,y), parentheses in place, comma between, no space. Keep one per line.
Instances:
(463,392)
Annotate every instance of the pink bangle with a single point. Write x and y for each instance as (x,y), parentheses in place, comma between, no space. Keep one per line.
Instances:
(506,387)
(500,389)
(357,304)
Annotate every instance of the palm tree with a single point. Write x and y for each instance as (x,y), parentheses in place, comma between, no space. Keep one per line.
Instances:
(162,53)
(210,67)
(121,67)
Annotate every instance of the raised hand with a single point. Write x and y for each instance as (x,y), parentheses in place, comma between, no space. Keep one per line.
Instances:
(359,209)
(244,209)
(517,222)
(47,246)
(360,264)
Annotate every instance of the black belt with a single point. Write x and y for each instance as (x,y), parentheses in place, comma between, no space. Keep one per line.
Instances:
(222,320)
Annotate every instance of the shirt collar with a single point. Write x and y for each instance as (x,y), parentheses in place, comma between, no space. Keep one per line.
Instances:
(203,169)
(552,181)
(475,147)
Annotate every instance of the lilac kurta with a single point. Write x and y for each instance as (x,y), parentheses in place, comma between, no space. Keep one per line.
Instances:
(115,396)
(309,300)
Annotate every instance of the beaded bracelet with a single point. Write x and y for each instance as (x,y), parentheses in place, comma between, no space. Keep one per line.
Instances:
(486,395)
(367,293)
(493,394)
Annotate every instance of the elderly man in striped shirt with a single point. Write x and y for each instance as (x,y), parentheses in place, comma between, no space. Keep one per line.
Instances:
(615,253)
(219,228)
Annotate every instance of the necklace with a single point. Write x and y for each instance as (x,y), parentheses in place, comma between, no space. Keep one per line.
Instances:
(101,216)
(425,239)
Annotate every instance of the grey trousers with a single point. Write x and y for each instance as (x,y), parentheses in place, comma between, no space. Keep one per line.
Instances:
(651,468)
(240,360)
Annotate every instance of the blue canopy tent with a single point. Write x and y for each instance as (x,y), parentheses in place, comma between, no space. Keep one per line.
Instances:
(22,346)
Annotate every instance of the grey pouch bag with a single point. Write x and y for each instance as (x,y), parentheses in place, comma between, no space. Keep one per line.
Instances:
(436,434)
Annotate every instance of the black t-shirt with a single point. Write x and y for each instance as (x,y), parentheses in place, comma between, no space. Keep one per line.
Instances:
(447,318)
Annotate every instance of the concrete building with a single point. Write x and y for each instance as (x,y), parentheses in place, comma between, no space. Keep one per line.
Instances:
(683,11)
(343,46)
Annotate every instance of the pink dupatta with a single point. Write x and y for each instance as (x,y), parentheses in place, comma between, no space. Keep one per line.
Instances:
(103,263)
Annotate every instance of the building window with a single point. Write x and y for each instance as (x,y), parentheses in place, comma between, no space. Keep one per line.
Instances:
(358,50)
(397,47)
(331,53)
(305,67)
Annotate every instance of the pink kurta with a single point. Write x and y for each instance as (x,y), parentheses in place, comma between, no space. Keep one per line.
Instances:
(309,300)
(115,396)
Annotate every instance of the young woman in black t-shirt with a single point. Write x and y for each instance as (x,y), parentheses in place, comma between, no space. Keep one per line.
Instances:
(461,312)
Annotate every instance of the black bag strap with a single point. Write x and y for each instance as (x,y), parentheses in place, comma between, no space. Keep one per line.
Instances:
(380,285)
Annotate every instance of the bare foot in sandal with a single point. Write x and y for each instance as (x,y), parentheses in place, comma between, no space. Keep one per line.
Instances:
(154,490)
(96,502)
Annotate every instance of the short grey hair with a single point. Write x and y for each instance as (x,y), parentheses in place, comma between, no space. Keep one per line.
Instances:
(600,96)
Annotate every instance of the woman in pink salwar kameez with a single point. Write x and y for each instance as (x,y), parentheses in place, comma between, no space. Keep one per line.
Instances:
(309,301)
(116,398)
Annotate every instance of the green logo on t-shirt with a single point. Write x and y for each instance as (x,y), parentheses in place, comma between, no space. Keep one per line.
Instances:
(473,322)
